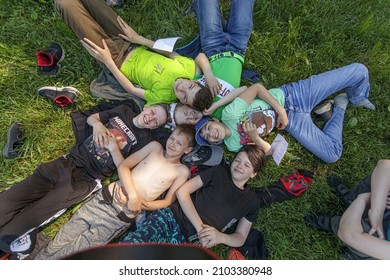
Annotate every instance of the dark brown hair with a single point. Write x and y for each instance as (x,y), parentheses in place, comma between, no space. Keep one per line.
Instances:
(256,156)
(203,98)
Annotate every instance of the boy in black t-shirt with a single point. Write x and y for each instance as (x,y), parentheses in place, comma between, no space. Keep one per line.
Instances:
(58,184)
(208,204)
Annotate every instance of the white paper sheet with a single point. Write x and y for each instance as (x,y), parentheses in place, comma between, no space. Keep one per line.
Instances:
(279,145)
(165,44)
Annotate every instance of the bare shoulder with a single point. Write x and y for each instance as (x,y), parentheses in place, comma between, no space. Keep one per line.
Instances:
(183,170)
(155,146)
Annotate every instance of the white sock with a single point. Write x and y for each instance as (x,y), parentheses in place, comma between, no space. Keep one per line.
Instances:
(341,101)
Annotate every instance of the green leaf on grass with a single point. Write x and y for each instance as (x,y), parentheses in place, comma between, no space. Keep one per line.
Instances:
(353,122)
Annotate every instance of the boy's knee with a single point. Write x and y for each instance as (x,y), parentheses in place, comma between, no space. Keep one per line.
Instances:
(360,68)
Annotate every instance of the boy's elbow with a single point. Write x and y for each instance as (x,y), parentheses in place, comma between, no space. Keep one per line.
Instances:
(347,236)
(179,193)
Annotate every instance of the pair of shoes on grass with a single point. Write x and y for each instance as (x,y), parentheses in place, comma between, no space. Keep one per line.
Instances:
(61,96)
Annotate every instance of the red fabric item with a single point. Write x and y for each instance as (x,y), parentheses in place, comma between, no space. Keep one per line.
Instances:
(45,58)
(235,255)
(298,182)
(63,100)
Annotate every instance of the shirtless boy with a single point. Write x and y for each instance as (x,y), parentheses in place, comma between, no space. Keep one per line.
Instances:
(144,177)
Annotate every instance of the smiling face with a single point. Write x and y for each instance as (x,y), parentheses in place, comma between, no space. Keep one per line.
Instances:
(213,132)
(186,115)
(151,117)
(242,169)
(185,90)
(177,144)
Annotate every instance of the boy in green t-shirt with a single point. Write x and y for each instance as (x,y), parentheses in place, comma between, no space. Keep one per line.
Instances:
(253,115)
(163,76)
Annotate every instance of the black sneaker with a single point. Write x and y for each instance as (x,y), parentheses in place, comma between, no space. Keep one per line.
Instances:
(61,96)
(48,61)
(319,221)
(14,136)
(324,111)
(338,186)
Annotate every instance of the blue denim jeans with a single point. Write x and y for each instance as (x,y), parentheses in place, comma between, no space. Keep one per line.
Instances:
(215,38)
(303,96)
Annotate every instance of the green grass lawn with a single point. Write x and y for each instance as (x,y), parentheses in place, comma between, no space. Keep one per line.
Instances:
(291,40)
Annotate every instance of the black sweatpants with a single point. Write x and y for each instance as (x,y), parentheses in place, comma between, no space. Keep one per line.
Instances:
(52,187)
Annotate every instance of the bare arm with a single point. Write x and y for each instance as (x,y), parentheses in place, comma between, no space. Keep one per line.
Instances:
(132,36)
(115,152)
(251,130)
(124,171)
(203,66)
(351,231)
(226,100)
(184,196)
(170,196)
(104,56)
(100,132)
(210,236)
(380,187)
(261,92)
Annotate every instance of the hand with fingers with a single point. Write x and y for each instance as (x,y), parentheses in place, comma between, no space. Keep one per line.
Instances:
(376,221)
(250,129)
(111,143)
(209,236)
(209,111)
(101,54)
(134,202)
(100,134)
(213,84)
(282,119)
(129,33)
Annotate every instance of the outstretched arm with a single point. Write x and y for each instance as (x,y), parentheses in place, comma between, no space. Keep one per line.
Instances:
(210,236)
(132,36)
(104,56)
(380,187)
(184,196)
(261,92)
(203,66)
(170,196)
(225,100)
(351,231)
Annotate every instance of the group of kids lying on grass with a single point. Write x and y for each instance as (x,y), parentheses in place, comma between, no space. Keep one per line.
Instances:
(213,206)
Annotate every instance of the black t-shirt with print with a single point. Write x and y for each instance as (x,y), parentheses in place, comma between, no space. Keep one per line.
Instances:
(98,161)
(219,203)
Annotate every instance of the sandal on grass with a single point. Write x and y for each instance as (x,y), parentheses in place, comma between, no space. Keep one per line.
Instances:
(338,186)
(318,221)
